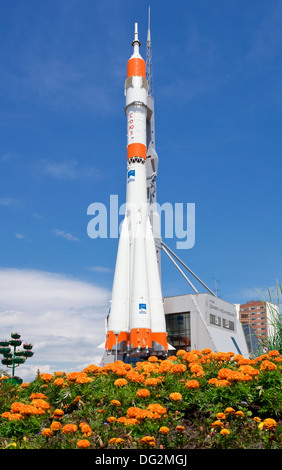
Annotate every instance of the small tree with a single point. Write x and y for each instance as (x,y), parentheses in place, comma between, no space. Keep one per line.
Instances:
(12,357)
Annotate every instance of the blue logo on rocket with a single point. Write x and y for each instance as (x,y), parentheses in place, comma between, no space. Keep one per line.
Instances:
(131,176)
(142,308)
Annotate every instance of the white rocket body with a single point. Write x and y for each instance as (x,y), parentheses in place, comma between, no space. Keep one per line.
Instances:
(136,323)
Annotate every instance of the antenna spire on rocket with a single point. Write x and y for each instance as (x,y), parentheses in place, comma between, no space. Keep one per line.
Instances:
(136,43)
(149,66)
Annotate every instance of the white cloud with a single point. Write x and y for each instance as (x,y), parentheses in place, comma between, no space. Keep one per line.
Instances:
(62,317)
(62,234)
(20,236)
(67,169)
(100,269)
(8,201)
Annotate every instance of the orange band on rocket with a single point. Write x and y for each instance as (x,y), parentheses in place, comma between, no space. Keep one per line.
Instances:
(136,150)
(136,67)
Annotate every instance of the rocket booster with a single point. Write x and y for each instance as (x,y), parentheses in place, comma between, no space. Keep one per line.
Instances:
(136,322)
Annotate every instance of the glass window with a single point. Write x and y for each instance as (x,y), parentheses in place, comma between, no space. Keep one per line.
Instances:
(215,320)
(228,324)
(178,329)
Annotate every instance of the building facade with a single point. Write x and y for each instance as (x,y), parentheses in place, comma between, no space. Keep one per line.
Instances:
(198,321)
(255,313)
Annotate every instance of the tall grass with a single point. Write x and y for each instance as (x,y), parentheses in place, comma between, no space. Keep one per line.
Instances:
(274,340)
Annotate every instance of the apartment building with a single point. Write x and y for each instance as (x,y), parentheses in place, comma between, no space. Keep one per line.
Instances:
(255,314)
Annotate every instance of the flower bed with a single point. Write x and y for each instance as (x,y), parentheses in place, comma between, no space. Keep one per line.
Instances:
(196,399)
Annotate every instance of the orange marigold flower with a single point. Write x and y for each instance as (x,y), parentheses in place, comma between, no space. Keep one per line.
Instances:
(47,432)
(273,353)
(190,384)
(58,413)
(224,432)
(206,351)
(69,428)
(133,376)
(143,392)
(165,365)
(30,410)
(152,359)
(257,419)
(190,357)
(197,370)
(111,419)
(180,352)
(268,365)
(15,416)
(148,440)
(77,399)
(119,440)
(116,402)
(222,357)
(179,428)
(175,396)
(156,408)
(218,423)
(39,403)
(120,382)
(269,423)
(220,416)
(59,382)
(132,411)
(130,421)
(83,379)
(152,382)
(6,414)
(24,385)
(60,374)
(122,419)
(85,429)
(46,377)
(82,444)
(222,383)
(16,407)
(91,369)
(116,440)
(238,357)
(56,425)
(71,377)
(229,410)
(178,369)
(239,413)
(37,395)
(246,369)
(164,430)
(213,381)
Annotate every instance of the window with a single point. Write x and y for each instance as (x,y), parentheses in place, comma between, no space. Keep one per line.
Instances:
(178,329)
(215,320)
(228,324)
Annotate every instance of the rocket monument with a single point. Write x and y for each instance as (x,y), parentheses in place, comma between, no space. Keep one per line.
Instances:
(136,322)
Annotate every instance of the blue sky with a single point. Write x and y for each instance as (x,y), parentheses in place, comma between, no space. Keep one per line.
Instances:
(217,83)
